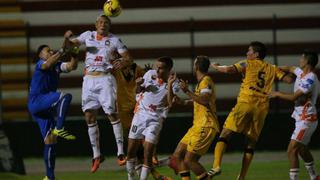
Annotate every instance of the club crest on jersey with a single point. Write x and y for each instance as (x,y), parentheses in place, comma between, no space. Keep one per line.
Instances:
(107,43)
(92,38)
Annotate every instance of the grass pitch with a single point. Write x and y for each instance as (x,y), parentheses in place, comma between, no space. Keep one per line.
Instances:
(265,166)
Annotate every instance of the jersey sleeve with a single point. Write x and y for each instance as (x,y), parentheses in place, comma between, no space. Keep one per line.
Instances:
(121,48)
(58,67)
(241,66)
(306,84)
(82,38)
(279,73)
(206,86)
(297,71)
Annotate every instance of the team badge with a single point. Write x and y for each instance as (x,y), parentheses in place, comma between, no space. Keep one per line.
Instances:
(107,43)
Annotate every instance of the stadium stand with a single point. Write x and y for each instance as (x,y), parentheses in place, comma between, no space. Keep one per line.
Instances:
(151,29)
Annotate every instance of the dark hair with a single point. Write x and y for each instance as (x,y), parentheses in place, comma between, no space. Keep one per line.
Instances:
(260,48)
(40,48)
(167,60)
(203,63)
(311,57)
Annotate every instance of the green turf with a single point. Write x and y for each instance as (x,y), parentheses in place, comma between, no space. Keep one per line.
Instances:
(259,170)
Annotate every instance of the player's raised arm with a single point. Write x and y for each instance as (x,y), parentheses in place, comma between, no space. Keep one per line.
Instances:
(224,69)
(50,58)
(171,95)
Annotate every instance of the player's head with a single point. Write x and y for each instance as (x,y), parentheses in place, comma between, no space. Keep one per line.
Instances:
(201,63)
(103,24)
(43,52)
(310,58)
(163,66)
(256,50)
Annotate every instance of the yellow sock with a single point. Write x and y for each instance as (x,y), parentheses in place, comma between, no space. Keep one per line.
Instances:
(218,153)
(185,175)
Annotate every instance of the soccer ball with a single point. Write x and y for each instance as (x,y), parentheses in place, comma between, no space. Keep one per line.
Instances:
(112,8)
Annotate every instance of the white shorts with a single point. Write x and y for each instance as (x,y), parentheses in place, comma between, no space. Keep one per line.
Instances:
(146,127)
(99,91)
(304,131)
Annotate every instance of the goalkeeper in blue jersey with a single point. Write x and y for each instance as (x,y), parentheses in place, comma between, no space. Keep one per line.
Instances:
(45,102)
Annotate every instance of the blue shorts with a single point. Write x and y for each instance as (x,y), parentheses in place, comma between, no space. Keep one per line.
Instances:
(42,109)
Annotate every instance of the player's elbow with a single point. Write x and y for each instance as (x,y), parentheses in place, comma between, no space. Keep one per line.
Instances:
(74,66)
(288,79)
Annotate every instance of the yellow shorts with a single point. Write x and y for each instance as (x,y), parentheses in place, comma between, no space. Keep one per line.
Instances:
(126,119)
(198,139)
(247,118)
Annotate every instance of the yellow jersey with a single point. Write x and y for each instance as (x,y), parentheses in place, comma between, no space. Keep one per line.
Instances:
(126,87)
(258,77)
(205,116)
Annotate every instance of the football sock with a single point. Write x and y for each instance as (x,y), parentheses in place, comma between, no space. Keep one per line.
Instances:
(311,169)
(49,155)
(62,109)
(118,134)
(294,173)
(93,132)
(185,175)
(138,169)
(130,166)
(144,172)
(218,152)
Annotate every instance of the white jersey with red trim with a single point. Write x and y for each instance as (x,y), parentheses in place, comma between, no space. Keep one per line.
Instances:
(100,50)
(154,100)
(305,108)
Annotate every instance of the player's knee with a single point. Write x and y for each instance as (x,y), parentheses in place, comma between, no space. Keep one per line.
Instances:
(67,97)
(226,133)
(293,150)
(224,140)
(249,150)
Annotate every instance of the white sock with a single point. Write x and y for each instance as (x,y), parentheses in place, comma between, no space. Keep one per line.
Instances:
(311,170)
(138,169)
(294,173)
(144,172)
(118,134)
(94,136)
(130,168)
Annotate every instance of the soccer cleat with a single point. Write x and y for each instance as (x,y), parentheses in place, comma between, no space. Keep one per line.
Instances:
(63,134)
(214,172)
(173,164)
(46,178)
(121,160)
(96,163)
